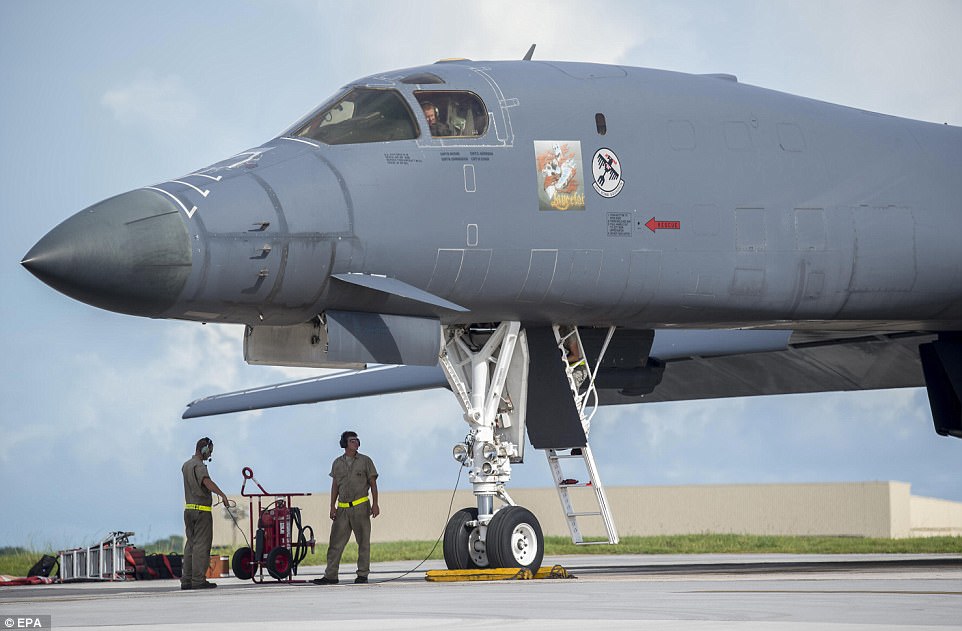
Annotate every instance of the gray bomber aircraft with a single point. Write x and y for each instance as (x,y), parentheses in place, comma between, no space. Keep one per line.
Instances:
(543,238)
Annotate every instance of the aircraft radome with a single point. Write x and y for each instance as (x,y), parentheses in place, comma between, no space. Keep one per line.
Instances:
(543,238)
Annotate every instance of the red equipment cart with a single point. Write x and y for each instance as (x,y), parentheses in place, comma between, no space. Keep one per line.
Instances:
(280,541)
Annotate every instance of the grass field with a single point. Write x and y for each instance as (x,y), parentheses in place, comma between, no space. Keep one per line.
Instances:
(679,544)
(17,561)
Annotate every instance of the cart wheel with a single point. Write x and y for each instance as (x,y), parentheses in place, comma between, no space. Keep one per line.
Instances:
(242,564)
(279,563)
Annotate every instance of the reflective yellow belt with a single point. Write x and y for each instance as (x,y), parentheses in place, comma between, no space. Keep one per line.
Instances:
(350,504)
(197,507)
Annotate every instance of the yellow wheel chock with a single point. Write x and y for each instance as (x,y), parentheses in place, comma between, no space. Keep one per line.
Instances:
(495,574)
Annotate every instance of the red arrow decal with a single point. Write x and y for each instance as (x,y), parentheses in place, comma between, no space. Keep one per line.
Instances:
(653,225)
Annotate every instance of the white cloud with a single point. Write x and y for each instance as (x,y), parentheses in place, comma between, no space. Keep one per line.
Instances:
(562,30)
(894,55)
(154,102)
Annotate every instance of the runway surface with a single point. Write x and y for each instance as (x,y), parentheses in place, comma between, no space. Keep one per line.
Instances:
(659,592)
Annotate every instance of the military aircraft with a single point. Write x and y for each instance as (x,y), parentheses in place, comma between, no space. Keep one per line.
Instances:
(546,237)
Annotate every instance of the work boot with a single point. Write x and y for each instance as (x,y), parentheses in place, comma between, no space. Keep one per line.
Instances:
(360,580)
(325,581)
(185,585)
(204,585)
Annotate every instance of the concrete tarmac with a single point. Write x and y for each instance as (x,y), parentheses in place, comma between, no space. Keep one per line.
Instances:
(659,592)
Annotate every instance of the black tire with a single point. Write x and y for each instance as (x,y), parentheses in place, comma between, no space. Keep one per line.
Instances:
(279,563)
(515,539)
(462,550)
(242,564)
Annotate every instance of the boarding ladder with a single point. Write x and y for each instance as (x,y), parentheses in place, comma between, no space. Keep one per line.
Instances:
(586,400)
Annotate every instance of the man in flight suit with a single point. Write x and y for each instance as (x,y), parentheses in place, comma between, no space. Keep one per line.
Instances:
(198,521)
(352,475)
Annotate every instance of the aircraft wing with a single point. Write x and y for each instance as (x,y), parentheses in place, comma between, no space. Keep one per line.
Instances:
(342,385)
(693,366)
(810,362)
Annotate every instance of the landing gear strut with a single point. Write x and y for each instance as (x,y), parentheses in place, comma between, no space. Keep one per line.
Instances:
(487,368)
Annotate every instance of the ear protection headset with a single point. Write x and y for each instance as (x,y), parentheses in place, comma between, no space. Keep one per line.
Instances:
(345,436)
(207,448)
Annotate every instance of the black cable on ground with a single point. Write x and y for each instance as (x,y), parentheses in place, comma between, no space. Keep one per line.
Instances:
(435,547)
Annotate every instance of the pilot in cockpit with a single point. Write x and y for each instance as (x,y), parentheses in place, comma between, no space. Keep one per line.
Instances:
(437,127)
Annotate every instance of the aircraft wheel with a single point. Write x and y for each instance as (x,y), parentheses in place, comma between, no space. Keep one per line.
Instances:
(279,563)
(463,548)
(514,539)
(242,564)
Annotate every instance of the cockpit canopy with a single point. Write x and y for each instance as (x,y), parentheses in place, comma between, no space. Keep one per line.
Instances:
(361,115)
(381,115)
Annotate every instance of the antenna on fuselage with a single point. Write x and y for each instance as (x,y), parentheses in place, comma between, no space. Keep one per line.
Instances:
(530,53)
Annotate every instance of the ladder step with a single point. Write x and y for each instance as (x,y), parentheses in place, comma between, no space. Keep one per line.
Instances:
(595,514)
(564,456)
(593,543)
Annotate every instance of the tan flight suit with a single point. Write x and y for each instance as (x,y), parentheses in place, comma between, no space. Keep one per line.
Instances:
(353,477)
(198,524)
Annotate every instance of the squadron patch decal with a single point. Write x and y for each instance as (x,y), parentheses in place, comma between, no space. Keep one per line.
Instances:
(606,169)
(560,183)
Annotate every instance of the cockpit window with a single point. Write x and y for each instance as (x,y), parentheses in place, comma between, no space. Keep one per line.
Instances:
(361,115)
(451,113)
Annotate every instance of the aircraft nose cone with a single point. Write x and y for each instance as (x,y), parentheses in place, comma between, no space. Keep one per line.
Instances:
(130,254)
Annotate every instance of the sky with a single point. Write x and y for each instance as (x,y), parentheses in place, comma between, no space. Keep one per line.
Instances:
(101,97)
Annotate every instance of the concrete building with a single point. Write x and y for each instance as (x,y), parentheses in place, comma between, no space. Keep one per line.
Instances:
(853,509)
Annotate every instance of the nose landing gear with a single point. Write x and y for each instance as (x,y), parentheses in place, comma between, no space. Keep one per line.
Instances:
(487,368)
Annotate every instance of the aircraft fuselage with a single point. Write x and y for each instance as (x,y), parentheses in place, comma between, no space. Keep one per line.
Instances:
(730,205)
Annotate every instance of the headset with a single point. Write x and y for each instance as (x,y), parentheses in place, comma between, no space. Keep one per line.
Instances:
(345,436)
(206,450)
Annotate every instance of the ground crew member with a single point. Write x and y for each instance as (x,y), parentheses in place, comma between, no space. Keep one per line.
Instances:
(352,475)
(198,521)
